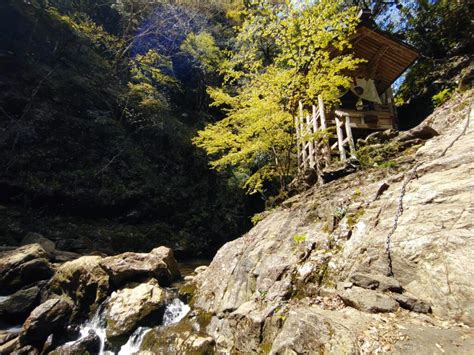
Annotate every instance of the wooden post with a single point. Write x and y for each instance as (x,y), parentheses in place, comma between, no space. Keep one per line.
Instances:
(315,119)
(340,139)
(298,141)
(322,116)
(315,130)
(317,152)
(310,142)
(349,136)
(303,139)
(391,107)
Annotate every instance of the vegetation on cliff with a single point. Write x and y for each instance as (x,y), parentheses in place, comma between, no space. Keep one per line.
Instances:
(100,102)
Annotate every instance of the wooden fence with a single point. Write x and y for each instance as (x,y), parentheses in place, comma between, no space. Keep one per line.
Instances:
(314,152)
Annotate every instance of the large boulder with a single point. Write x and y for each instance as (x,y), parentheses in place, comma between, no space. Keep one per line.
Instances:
(20,304)
(23,266)
(159,264)
(128,308)
(83,281)
(48,318)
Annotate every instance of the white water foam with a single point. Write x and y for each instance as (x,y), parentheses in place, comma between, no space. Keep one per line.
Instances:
(133,344)
(96,324)
(174,312)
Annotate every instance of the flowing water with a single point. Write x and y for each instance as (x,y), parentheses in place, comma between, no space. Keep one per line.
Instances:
(175,311)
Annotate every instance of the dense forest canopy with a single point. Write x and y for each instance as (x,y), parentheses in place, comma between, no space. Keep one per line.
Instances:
(105,106)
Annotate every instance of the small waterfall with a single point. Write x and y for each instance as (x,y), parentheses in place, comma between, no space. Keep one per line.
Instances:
(97,325)
(133,344)
(175,311)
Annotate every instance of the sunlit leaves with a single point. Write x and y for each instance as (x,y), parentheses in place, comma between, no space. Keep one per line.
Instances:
(283,54)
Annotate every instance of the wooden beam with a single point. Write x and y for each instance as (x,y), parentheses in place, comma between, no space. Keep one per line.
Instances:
(374,62)
(310,143)
(349,136)
(298,141)
(340,138)
(322,116)
(302,134)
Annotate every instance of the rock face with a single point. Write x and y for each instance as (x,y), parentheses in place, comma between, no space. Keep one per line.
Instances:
(282,275)
(48,318)
(23,266)
(82,281)
(128,308)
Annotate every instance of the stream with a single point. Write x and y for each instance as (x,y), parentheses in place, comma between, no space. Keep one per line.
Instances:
(175,311)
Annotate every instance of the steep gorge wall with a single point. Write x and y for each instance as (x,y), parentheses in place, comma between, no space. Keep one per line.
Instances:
(286,285)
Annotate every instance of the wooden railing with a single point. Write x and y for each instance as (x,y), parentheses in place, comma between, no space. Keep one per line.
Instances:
(315,153)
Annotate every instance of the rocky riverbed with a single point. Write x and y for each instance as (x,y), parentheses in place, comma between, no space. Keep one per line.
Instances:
(95,304)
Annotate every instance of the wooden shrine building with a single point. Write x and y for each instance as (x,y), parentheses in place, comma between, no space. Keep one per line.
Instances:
(366,107)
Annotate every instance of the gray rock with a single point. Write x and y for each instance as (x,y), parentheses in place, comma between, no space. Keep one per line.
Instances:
(372,282)
(179,338)
(126,309)
(159,263)
(90,344)
(32,238)
(48,318)
(83,282)
(368,301)
(20,304)
(8,346)
(23,266)
(423,132)
(411,303)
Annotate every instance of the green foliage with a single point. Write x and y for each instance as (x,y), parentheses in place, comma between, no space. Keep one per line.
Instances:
(256,134)
(354,217)
(203,49)
(379,155)
(92,173)
(300,238)
(390,164)
(257,218)
(283,53)
(441,97)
